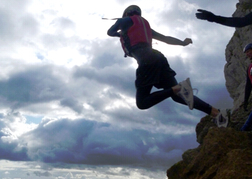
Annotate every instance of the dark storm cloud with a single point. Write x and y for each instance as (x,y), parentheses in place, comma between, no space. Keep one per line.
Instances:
(121,78)
(11,150)
(37,84)
(72,103)
(100,144)
(108,68)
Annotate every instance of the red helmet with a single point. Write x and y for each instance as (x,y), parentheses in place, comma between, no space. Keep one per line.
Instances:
(132,10)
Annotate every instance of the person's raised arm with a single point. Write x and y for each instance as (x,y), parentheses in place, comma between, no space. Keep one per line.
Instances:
(227,21)
(113,30)
(121,26)
(170,40)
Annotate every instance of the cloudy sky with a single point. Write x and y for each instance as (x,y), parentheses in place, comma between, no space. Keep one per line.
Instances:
(67,95)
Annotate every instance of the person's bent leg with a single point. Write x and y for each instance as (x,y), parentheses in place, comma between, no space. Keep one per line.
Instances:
(198,104)
(145,99)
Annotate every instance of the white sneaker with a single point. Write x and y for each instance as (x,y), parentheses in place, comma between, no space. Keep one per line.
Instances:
(186,92)
(222,118)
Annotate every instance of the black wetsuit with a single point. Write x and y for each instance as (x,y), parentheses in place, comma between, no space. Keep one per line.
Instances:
(235,21)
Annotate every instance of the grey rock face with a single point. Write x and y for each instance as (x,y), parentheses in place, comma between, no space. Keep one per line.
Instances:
(237,63)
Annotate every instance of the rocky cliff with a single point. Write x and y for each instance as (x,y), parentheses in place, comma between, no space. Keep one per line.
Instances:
(224,153)
(237,63)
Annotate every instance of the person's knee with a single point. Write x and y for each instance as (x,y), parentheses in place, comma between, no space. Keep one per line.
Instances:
(141,105)
(178,99)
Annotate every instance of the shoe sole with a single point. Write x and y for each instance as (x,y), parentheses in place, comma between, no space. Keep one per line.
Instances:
(225,116)
(190,91)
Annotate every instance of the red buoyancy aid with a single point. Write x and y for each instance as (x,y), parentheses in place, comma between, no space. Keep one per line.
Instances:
(139,32)
(250,72)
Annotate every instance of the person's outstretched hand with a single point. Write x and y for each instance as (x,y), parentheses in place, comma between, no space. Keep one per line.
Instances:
(205,15)
(188,41)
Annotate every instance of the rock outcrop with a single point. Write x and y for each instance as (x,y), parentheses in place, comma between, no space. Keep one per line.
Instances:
(224,153)
(237,63)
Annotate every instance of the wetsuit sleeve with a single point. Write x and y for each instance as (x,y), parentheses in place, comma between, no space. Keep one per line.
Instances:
(113,30)
(247,89)
(235,21)
(228,21)
(122,25)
